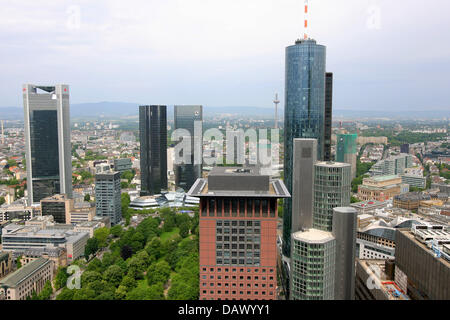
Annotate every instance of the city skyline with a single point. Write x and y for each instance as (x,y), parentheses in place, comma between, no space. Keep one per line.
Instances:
(250,65)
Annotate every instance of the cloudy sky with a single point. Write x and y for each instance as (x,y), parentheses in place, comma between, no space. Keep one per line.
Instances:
(384,54)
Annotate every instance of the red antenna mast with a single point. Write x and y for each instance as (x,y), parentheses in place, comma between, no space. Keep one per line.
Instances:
(305,36)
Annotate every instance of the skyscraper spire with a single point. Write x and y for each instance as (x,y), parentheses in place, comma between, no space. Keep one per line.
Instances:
(305,36)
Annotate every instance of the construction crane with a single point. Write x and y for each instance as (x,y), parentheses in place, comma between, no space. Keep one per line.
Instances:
(276,102)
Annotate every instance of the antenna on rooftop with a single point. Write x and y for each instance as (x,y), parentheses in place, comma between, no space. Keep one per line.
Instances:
(305,36)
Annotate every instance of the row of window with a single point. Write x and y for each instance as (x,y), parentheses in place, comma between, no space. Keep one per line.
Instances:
(235,270)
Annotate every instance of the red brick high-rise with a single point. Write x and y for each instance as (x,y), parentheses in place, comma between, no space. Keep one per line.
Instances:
(238,233)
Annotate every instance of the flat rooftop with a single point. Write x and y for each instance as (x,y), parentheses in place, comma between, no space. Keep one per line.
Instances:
(238,182)
(313,236)
(441,236)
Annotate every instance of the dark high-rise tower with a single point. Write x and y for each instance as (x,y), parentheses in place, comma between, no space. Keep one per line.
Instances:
(328,116)
(47,141)
(185,117)
(304,115)
(153,141)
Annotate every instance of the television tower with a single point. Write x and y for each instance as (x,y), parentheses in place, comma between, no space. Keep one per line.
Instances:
(3,134)
(276,102)
(305,36)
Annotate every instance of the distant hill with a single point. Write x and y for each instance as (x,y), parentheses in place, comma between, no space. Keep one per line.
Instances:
(124,109)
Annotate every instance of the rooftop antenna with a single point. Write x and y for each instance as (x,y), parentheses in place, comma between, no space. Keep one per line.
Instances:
(305,36)
(276,102)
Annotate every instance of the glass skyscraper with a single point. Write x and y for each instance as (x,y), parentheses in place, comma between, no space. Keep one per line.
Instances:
(346,150)
(332,188)
(153,144)
(47,141)
(185,117)
(304,115)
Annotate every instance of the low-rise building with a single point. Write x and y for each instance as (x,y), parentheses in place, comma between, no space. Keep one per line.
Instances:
(410,201)
(21,238)
(56,254)
(30,278)
(368,206)
(381,188)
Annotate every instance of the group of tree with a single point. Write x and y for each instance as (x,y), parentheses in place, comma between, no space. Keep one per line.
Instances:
(139,265)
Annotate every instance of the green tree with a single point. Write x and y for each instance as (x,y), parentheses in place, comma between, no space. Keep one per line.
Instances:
(18,263)
(87,197)
(90,276)
(113,275)
(91,247)
(102,235)
(66,294)
(184,230)
(60,278)
(158,272)
(46,292)
(2,200)
(117,230)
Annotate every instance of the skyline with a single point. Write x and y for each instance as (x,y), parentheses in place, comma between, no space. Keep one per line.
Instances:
(144,51)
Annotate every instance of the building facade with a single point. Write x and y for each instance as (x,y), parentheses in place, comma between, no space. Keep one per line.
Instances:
(108,196)
(5,263)
(332,186)
(305,156)
(32,277)
(304,114)
(346,150)
(153,147)
(328,116)
(312,265)
(344,231)
(58,206)
(122,165)
(238,234)
(381,188)
(47,141)
(185,118)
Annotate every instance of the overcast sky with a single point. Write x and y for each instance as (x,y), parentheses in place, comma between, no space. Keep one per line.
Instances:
(385,54)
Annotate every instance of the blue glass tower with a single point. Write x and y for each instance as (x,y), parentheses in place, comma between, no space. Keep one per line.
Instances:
(304,113)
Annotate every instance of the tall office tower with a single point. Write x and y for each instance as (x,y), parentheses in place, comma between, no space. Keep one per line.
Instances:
(305,153)
(312,265)
(153,141)
(47,141)
(185,117)
(108,196)
(238,233)
(328,116)
(346,150)
(304,111)
(344,231)
(404,148)
(332,186)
